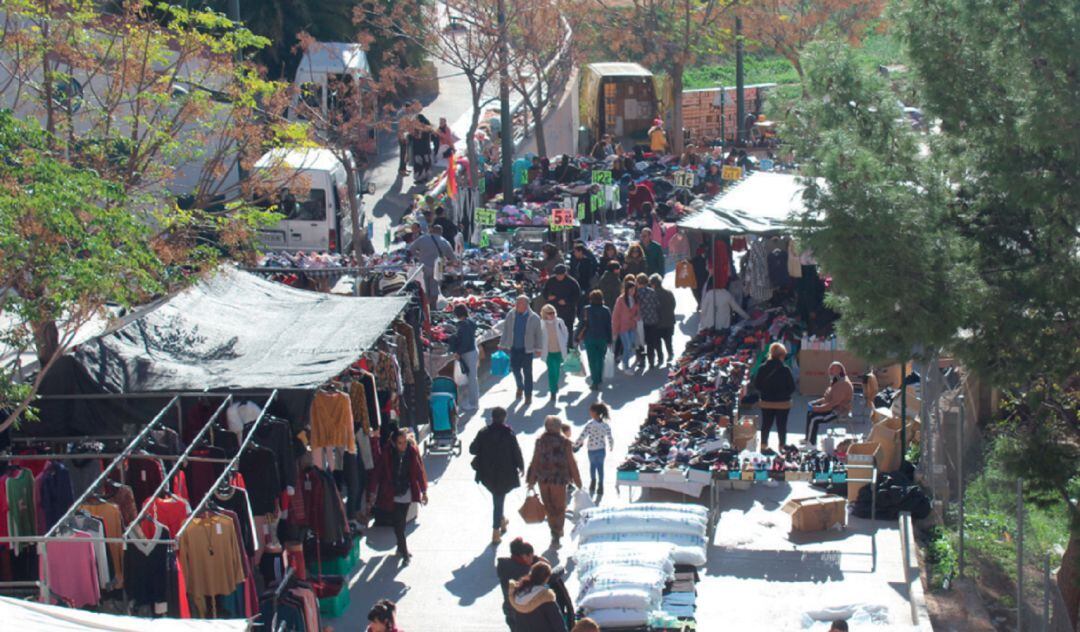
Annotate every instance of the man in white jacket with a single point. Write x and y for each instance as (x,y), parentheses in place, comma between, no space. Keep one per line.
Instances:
(716,308)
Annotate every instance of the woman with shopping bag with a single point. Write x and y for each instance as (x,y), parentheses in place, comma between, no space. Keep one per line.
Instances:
(554,336)
(553,468)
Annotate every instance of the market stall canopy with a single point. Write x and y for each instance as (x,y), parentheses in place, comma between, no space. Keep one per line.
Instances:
(30,615)
(761,203)
(237,331)
(233,331)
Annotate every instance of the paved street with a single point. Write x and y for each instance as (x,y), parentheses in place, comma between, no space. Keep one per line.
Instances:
(393,193)
(451,583)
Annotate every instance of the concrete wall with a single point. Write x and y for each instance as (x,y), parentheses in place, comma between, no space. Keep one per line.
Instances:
(560,125)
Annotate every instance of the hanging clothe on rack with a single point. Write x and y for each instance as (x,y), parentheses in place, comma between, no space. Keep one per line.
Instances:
(110,515)
(72,569)
(150,568)
(211,558)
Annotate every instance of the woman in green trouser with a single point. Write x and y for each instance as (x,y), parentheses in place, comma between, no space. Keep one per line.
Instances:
(596,334)
(553,336)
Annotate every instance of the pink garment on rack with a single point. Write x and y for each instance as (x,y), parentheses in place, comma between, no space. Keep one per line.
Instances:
(72,571)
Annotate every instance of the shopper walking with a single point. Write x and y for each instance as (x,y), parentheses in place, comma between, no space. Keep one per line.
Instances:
(649,311)
(776,385)
(666,325)
(463,345)
(383,617)
(596,334)
(624,322)
(609,254)
(433,251)
(654,253)
(635,260)
(834,402)
(583,267)
(522,337)
(399,481)
(563,293)
(595,435)
(556,335)
(513,568)
(610,284)
(553,468)
(535,609)
(498,465)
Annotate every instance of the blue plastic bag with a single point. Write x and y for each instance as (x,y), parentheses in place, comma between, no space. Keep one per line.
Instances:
(500,364)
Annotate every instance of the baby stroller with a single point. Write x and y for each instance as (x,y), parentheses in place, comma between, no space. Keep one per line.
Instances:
(444,433)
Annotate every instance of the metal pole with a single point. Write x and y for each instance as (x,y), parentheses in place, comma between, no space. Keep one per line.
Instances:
(740,83)
(504,109)
(1046,594)
(1019,554)
(960,480)
(903,414)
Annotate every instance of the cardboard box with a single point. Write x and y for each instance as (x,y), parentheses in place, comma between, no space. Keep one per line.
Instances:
(889,441)
(914,427)
(887,376)
(914,404)
(814,368)
(816,514)
(861,459)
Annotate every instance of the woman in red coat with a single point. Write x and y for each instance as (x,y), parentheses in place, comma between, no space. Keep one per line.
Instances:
(399,480)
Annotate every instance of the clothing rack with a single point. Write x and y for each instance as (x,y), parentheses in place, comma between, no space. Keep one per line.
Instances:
(180,460)
(53,535)
(282,585)
(228,471)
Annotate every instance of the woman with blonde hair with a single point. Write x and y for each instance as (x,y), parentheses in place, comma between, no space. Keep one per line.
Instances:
(835,402)
(553,468)
(775,384)
(554,336)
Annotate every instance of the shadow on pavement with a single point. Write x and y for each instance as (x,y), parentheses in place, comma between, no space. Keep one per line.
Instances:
(775,566)
(475,579)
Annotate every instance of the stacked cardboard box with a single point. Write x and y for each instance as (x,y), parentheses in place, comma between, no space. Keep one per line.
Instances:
(819,513)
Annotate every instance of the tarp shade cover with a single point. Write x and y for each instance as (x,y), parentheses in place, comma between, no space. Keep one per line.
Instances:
(232,332)
(762,203)
(238,331)
(29,615)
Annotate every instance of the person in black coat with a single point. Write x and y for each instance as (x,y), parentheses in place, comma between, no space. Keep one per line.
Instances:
(563,292)
(522,557)
(776,385)
(499,466)
(583,267)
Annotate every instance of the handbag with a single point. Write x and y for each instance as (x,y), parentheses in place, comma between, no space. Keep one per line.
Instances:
(609,365)
(500,364)
(532,510)
(573,364)
(684,275)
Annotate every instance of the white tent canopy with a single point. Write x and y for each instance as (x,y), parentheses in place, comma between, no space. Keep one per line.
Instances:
(30,615)
(762,203)
(332,58)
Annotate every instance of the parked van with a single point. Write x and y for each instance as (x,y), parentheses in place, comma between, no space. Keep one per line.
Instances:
(313,198)
(616,98)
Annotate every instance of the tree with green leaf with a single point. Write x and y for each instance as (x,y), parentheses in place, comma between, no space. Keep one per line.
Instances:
(70,245)
(125,108)
(968,238)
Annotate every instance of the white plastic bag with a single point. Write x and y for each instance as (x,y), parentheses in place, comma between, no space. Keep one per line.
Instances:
(609,365)
(582,501)
(639,343)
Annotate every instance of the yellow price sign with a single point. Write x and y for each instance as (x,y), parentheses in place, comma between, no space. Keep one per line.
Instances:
(731,173)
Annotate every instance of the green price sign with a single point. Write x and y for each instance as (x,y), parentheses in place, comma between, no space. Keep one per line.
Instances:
(485,217)
(483,185)
(485,239)
(601,177)
(598,201)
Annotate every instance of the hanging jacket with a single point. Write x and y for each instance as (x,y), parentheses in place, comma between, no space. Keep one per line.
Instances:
(716,308)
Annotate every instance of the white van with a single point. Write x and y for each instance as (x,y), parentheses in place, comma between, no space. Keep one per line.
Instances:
(313,198)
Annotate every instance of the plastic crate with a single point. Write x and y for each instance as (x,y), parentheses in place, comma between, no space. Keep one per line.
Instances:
(335,565)
(631,475)
(335,606)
